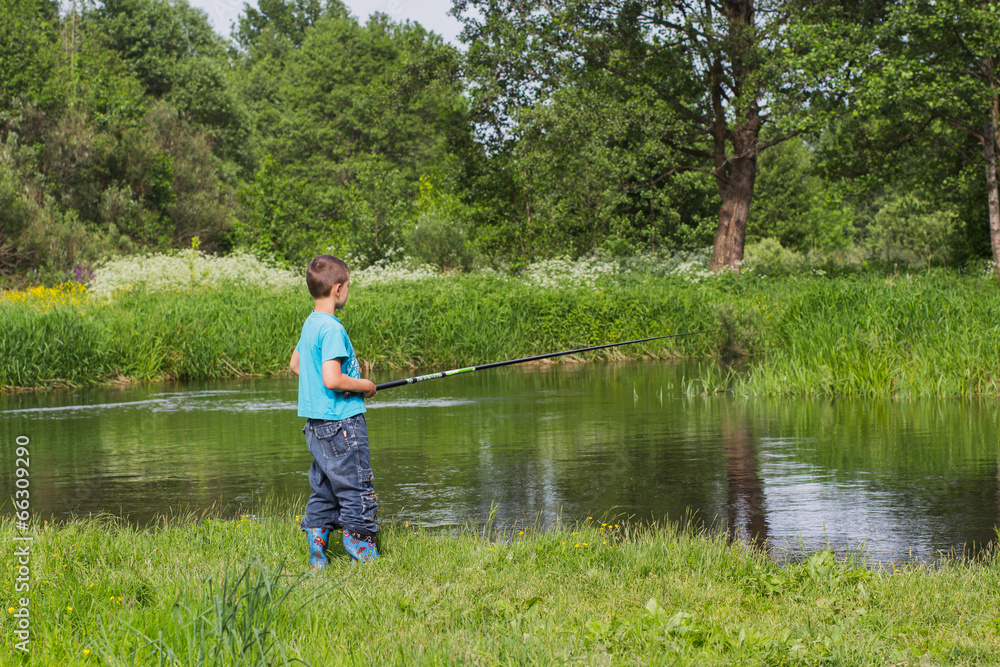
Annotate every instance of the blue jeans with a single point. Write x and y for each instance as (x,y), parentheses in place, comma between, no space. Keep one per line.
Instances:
(343,496)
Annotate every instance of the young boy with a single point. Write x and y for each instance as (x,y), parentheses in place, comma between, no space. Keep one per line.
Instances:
(330,397)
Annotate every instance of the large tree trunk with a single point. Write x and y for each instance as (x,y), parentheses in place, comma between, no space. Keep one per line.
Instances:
(989,149)
(737,193)
(735,172)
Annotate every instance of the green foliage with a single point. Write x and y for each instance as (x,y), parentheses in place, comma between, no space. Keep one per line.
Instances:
(44,236)
(584,176)
(29,31)
(273,221)
(171,49)
(613,99)
(768,257)
(908,228)
(919,85)
(155,38)
(438,235)
(356,101)
(795,206)
(376,208)
(290,19)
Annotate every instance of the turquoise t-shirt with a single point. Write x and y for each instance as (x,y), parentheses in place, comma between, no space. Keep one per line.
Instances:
(325,338)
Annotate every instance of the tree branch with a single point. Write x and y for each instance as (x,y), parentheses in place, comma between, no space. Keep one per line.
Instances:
(777,140)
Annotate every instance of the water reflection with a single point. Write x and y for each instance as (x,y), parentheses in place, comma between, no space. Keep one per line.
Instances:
(746,510)
(898,477)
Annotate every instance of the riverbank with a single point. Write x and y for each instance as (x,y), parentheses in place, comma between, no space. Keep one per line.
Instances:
(194,590)
(932,334)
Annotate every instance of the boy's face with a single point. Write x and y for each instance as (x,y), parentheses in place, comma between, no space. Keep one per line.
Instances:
(340,294)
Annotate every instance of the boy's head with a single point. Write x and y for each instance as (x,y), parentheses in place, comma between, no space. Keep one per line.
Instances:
(323,273)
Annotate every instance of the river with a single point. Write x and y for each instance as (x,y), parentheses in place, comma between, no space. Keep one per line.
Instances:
(897,479)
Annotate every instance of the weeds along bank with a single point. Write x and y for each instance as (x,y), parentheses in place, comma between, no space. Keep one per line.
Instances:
(238,592)
(194,317)
(928,334)
(142,322)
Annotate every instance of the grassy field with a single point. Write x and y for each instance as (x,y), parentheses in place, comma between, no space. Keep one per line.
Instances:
(866,335)
(202,591)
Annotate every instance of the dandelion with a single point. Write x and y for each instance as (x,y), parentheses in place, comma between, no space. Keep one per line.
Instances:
(69,608)
(86,651)
(10,609)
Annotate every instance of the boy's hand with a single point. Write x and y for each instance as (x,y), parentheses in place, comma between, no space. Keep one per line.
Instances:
(370,389)
(368,392)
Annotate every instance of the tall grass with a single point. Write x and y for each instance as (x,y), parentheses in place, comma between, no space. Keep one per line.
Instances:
(228,331)
(598,591)
(934,333)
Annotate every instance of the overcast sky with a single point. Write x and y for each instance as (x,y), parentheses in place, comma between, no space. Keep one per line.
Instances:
(432,14)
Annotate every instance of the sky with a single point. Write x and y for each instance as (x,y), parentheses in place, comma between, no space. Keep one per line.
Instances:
(432,14)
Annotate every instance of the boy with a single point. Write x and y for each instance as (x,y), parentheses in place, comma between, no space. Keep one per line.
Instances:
(330,397)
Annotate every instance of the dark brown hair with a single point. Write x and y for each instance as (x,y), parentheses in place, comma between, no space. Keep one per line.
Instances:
(323,273)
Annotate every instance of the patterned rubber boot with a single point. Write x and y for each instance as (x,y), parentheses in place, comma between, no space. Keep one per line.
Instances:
(360,549)
(318,539)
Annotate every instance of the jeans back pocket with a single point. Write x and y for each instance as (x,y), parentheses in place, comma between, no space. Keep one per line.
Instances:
(332,438)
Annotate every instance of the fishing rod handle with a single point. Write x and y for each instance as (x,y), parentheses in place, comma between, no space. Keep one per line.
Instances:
(390,385)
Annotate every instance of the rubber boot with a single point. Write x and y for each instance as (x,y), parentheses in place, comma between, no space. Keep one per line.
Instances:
(360,549)
(318,539)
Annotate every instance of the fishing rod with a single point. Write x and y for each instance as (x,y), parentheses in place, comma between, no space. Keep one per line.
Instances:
(498,364)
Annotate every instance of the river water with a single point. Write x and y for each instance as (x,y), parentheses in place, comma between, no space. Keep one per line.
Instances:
(898,479)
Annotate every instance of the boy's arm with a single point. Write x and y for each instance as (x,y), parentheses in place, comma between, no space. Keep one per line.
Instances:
(337,381)
(294,363)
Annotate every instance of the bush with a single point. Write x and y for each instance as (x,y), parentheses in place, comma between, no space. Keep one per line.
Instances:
(768,257)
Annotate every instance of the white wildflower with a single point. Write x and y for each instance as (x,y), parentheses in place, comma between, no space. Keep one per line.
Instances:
(393,271)
(185,270)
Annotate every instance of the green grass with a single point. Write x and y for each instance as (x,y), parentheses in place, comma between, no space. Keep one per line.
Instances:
(924,334)
(193,591)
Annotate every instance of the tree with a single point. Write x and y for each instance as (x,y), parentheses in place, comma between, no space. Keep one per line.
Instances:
(795,205)
(29,31)
(923,82)
(172,50)
(274,222)
(719,69)
(357,100)
(284,19)
(583,175)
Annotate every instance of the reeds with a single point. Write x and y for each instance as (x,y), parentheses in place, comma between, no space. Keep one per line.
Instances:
(926,334)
